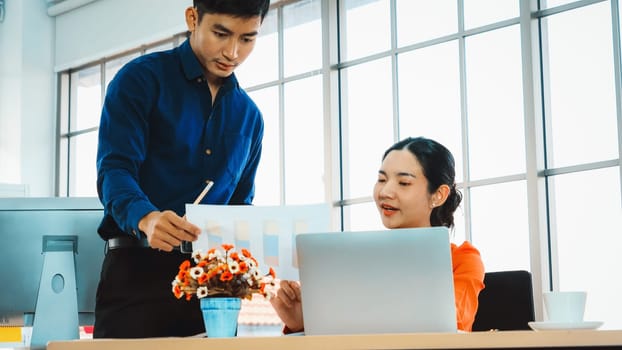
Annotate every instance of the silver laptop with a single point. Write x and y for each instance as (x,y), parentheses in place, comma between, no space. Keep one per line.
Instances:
(389,281)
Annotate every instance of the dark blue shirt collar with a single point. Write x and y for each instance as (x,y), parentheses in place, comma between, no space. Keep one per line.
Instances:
(193,69)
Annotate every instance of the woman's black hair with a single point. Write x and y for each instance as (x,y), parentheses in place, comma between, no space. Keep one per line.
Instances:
(235,8)
(438,167)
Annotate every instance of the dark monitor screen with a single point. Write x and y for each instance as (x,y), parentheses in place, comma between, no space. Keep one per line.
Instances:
(28,229)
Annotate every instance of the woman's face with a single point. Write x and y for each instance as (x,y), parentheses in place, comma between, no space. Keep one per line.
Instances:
(401,192)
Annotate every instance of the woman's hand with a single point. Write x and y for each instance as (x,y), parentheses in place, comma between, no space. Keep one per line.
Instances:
(288,305)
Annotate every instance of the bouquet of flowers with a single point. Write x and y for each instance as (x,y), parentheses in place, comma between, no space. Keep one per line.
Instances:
(223,272)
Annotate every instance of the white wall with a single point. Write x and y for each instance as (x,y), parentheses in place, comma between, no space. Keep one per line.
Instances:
(34,46)
(10,106)
(27,90)
(107,27)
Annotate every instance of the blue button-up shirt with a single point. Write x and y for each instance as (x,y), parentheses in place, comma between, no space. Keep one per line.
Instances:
(161,138)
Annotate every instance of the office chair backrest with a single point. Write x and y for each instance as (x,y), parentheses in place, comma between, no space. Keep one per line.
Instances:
(506,303)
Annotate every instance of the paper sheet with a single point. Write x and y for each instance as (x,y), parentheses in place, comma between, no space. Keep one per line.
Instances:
(268,232)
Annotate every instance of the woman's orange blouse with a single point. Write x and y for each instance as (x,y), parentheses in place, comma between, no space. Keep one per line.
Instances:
(468,270)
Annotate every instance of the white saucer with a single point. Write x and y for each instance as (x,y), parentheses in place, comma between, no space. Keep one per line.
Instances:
(553,326)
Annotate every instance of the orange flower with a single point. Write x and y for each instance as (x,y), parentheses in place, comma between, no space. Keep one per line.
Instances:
(246,253)
(243,267)
(226,276)
(185,266)
(203,279)
(177,291)
(222,272)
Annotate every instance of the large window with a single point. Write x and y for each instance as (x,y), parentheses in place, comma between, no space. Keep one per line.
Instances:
(583,151)
(367,124)
(288,64)
(79,126)
(527,100)
(81,97)
(582,115)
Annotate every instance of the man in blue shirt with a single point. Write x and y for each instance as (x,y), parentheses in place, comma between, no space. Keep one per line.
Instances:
(170,122)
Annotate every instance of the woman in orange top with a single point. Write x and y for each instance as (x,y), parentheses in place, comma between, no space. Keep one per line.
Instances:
(415,188)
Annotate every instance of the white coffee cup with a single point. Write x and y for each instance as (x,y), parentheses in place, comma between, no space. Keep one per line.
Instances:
(564,306)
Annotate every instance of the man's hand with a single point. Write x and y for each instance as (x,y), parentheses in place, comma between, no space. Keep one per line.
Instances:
(166,229)
(288,305)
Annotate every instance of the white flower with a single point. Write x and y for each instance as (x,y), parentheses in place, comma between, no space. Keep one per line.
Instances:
(196,272)
(217,254)
(268,279)
(251,264)
(234,267)
(197,256)
(247,278)
(270,293)
(201,292)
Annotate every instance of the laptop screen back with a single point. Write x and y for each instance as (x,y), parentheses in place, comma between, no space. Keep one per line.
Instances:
(390,281)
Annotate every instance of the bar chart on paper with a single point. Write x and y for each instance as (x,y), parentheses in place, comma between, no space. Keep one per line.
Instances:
(267,231)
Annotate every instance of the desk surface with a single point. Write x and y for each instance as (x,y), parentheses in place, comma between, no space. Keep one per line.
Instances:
(479,340)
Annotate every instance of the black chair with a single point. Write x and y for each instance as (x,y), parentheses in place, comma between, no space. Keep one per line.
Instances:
(506,303)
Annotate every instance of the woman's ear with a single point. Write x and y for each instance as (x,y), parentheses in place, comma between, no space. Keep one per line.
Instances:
(440,196)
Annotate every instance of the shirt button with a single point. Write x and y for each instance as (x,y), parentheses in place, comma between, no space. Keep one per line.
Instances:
(208,151)
(199,80)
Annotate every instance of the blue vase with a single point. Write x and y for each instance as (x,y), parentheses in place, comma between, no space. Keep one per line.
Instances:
(221,316)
